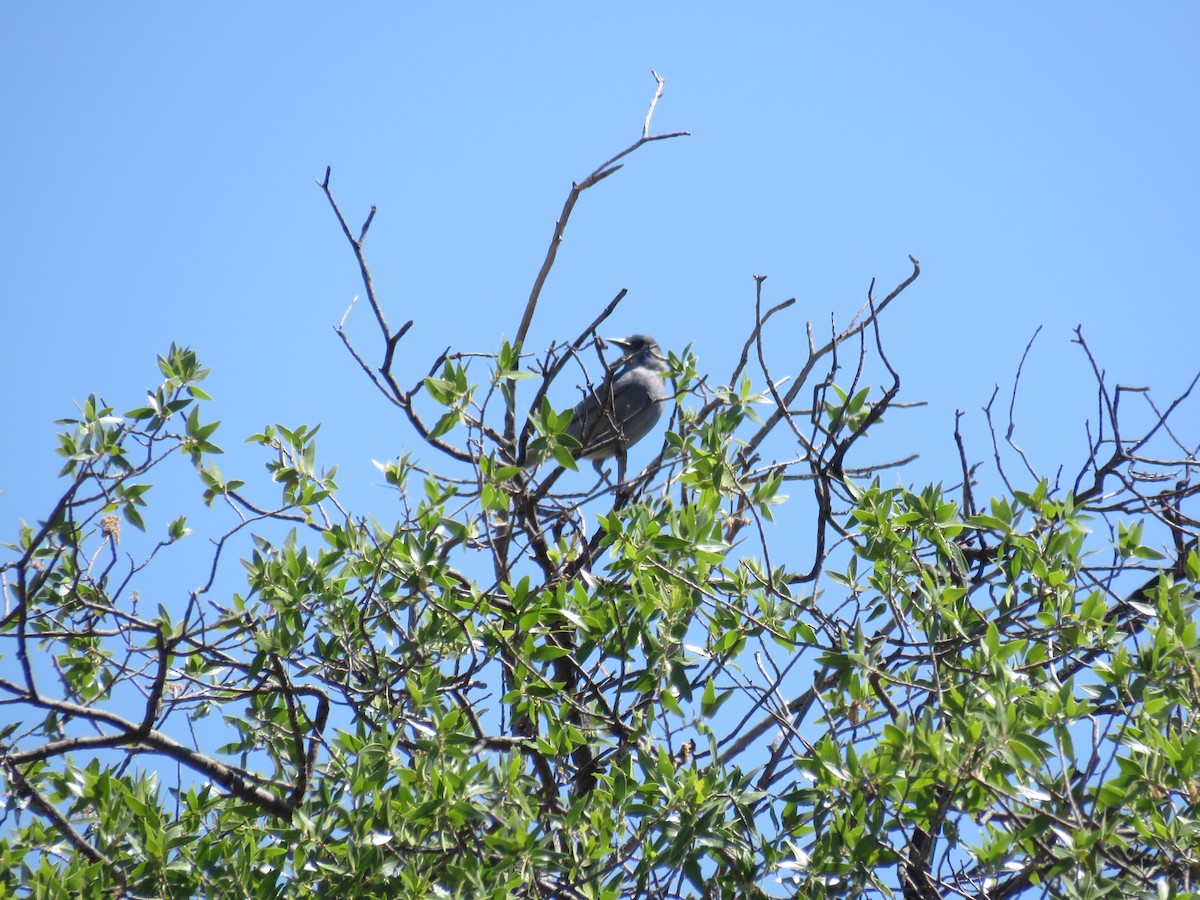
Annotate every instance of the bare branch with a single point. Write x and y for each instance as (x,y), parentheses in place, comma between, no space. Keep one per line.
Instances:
(602,171)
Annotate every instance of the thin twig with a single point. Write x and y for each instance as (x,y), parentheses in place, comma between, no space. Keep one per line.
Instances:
(829,347)
(1012,402)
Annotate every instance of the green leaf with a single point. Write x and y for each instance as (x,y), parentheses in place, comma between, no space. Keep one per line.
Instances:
(710,701)
(992,641)
(133,517)
(445,424)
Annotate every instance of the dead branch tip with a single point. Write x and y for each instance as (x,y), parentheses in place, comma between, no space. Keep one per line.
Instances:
(609,171)
(658,92)
(367,224)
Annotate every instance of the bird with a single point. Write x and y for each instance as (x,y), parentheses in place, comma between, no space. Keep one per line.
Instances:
(622,411)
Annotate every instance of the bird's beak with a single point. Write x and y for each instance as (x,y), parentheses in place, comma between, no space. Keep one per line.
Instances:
(623,346)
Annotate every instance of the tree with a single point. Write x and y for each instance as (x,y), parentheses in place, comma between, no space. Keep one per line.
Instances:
(641,689)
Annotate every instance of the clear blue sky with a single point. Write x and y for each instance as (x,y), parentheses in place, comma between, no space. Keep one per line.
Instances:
(159,164)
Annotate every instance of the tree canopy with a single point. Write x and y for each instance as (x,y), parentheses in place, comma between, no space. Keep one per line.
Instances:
(535,681)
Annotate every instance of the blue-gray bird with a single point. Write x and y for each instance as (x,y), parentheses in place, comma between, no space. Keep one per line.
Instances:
(619,413)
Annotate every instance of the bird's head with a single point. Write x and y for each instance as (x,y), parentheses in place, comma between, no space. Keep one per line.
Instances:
(638,348)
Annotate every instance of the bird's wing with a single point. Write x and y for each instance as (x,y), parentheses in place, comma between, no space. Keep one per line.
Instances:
(634,393)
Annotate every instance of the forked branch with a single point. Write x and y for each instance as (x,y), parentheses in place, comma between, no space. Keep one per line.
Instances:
(602,171)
